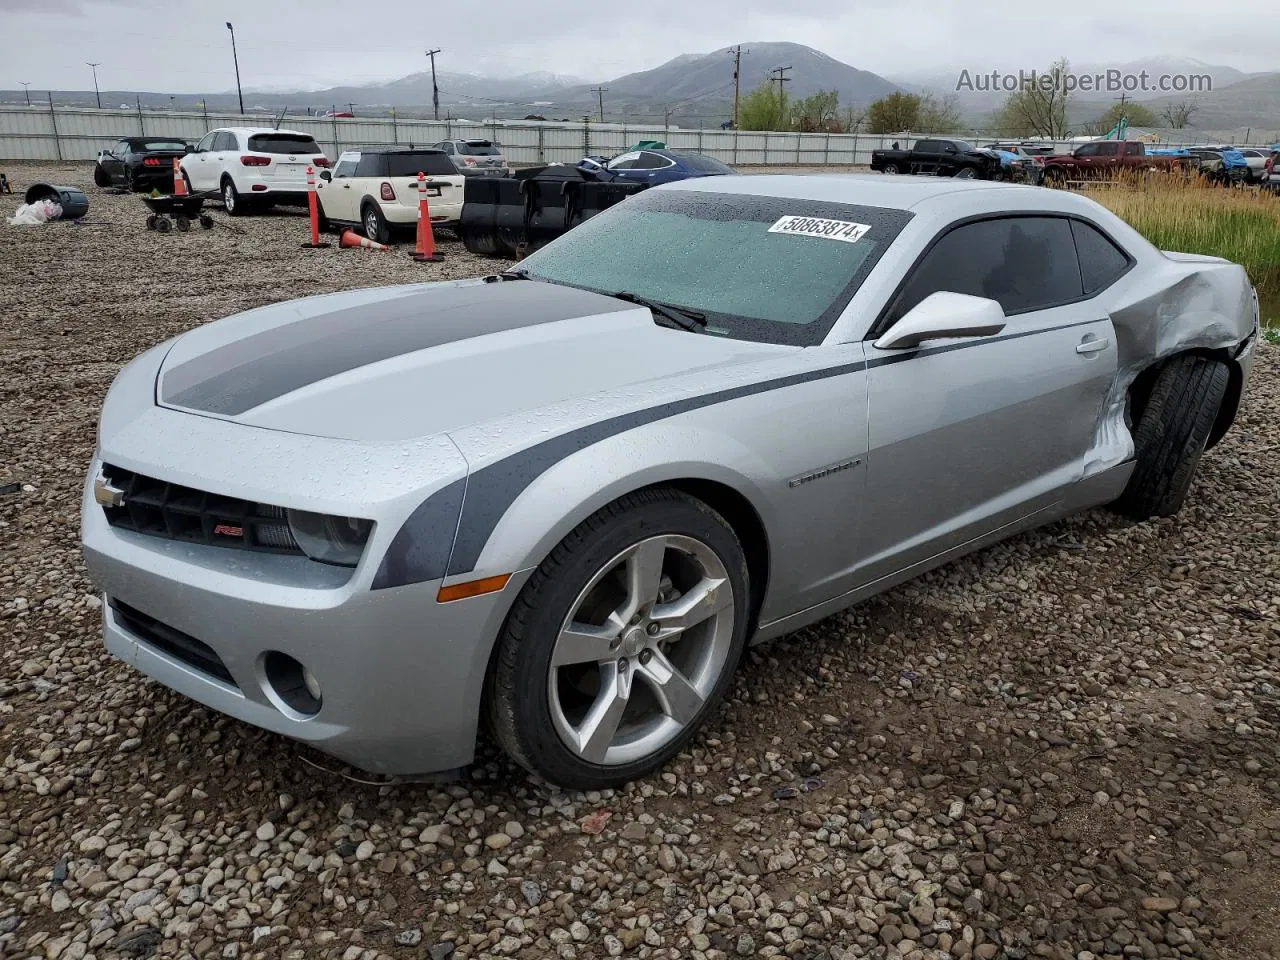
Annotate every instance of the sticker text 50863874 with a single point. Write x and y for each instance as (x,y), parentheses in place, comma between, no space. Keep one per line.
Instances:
(842,230)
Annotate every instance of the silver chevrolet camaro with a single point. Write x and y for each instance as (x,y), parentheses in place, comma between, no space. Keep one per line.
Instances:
(561,500)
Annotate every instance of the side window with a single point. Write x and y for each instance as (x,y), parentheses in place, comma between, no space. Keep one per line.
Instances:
(628,161)
(1024,263)
(448,148)
(927,146)
(1133,149)
(122,148)
(1111,149)
(367,165)
(652,161)
(1102,263)
(206,143)
(1088,150)
(346,165)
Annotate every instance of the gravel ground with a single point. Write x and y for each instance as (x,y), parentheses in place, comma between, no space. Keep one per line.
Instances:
(1062,747)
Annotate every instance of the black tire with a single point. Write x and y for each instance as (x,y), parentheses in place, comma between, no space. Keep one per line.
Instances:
(129,185)
(100,177)
(518,686)
(206,221)
(182,223)
(163,224)
(1171,433)
(890,168)
(235,204)
(374,224)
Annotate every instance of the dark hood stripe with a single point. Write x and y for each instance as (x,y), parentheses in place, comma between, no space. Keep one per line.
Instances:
(239,376)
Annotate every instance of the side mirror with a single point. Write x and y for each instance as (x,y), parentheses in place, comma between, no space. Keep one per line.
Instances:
(188,148)
(326,176)
(941,315)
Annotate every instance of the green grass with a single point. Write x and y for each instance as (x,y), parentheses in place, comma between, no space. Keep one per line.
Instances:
(1194,217)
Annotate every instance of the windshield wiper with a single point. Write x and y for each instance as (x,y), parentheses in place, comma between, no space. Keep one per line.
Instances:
(682,317)
(516,274)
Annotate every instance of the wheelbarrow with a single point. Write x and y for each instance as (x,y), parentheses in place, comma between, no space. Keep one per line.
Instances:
(183,210)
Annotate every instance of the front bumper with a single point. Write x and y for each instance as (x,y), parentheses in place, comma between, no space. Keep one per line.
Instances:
(401,675)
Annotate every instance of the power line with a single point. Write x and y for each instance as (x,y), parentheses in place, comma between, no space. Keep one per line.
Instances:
(600,92)
(435,91)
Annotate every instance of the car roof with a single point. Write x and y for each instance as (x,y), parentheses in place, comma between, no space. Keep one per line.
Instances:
(872,190)
(256,130)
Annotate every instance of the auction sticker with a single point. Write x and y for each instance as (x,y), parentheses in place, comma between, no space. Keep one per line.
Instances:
(826,229)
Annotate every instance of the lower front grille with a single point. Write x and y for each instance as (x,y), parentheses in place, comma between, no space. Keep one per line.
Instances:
(175,643)
(162,509)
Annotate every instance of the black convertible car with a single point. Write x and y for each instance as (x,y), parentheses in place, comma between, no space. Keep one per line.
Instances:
(139,163)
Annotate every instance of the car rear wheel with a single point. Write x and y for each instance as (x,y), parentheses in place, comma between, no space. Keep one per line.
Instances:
(1170,435)
(889,168)
(231,199)
(375,225)
(622,642)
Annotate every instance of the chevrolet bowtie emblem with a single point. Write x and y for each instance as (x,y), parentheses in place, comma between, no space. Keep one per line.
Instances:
(107,495)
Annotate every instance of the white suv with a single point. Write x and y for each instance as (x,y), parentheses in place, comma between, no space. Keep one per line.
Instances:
(376,189)
(251,166)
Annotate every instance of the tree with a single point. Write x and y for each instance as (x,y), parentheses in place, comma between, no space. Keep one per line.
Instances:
(817,114)
(896,112)
(851,120)
(1038,108)
(764,108)
(938,115)
(1137,114)
(1178,115)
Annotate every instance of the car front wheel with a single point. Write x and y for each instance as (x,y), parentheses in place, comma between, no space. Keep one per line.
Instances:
(231,198)
(1170,434)
(622,642)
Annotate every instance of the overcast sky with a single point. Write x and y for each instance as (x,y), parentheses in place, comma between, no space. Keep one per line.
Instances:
(182,46)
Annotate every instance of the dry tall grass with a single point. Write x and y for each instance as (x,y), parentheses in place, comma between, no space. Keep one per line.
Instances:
(1193,216)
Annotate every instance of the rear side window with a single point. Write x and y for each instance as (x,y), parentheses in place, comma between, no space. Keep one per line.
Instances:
(226,141)
(1133,149)
(291,143)
(1102,263)
(1024,263)
(431,163)
(652,161)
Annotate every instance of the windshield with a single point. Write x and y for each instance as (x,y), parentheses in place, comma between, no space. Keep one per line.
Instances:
(283,143)
(761,268)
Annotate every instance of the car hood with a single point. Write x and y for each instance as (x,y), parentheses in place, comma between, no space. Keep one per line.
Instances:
(395,363)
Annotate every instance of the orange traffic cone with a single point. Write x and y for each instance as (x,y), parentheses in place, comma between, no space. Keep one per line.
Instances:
(179,185)
(426,251)
(352,239)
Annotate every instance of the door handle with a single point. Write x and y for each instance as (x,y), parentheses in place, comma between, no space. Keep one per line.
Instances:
(1092,345)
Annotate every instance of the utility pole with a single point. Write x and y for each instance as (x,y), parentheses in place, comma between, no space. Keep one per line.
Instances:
(600,92)
(95,67)
(780,71)
(26,89)
(435,91)
(236,59)
(737,81)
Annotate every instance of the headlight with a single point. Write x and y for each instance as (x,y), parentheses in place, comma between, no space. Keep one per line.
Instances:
(337,540)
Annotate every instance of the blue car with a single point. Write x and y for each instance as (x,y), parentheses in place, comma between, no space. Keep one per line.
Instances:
(662,166)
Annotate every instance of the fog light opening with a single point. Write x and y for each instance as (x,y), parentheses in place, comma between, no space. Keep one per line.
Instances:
(292,683)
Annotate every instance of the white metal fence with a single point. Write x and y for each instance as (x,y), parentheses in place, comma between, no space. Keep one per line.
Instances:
(44,132)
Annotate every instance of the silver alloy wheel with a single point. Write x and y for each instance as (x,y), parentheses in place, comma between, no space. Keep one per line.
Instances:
(643,647)
(890,168)
(371,224)
(229,196)
(964,173)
